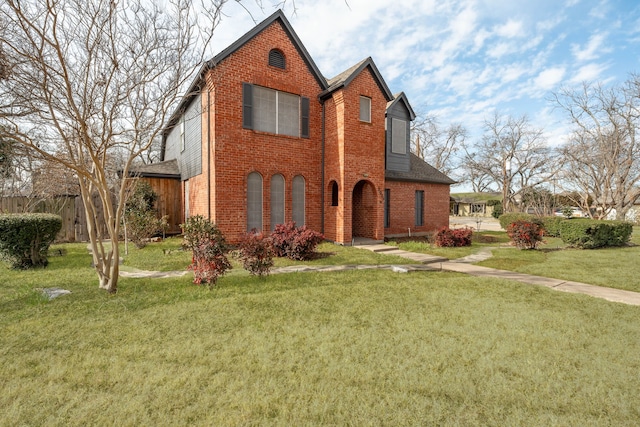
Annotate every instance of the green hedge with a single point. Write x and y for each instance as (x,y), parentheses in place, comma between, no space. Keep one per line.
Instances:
(510,218)
(591,234)
(25,238)
(552,224)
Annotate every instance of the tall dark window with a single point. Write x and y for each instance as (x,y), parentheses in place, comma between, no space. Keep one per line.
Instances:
(334,193)
(254,202)
(419,208)
(387,208)
(297,200)
(277,200)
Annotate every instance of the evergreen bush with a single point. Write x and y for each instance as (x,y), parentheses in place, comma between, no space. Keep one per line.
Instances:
(209,247)
(451,238)
(256,252)
(591,234)
(551,225)
(296,243)
(525,234)
(25,238)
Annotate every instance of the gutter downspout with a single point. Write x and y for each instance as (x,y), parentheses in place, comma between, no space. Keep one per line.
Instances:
(322,173)
(208,153)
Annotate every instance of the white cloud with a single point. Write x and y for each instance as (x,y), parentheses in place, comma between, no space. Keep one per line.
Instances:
(589,73)
(592,50)
(549,78)
(511,29)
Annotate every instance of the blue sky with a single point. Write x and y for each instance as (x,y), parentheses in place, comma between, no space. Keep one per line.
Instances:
(461,60)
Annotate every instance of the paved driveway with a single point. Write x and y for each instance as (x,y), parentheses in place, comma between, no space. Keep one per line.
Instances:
(479,223)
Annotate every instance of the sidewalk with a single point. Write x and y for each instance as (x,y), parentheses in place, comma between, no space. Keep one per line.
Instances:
(464,265)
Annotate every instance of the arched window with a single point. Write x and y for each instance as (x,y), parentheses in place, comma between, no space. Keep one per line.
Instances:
(276,59)
(297,200)
(254,201)
(334,193)
(277,200)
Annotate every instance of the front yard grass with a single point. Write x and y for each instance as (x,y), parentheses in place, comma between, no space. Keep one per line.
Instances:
(357,348)
(479,240)
(611,267)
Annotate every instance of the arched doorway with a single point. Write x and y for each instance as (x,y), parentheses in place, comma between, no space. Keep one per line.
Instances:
(363,210)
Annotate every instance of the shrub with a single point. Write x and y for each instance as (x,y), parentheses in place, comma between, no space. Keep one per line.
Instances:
(256,253)
(297,243)
(140,216)
(508,218)
(551,225)
(25,238)
(525,234)
(206,241)
(591,234)
(497,207)
(457,237)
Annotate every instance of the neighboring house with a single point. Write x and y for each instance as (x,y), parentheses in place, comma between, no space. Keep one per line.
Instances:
(473,204)
(263,138)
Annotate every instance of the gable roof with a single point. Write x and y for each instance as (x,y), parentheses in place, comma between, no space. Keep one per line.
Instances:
(343,79)
(401,97)
(194,88)
(419,171)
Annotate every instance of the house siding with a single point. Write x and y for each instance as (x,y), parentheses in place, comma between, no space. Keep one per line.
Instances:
(397,162)
(189,160)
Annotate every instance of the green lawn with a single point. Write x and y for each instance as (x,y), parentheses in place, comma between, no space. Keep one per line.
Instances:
(479,241)
(351,348)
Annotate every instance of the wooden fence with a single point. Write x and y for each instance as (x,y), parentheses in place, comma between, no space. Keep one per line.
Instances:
(70,208)
(74,220)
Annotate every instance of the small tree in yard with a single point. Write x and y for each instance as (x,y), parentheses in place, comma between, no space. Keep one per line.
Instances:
(209,260)
(525,234)
(90,85)
(256,253)
(140,216)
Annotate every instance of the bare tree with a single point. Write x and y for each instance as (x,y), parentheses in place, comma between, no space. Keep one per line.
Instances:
(436,145)
(95,80)
(602,157)
(512,155)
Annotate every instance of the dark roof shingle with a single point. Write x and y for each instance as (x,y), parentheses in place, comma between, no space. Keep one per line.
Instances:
(419,171)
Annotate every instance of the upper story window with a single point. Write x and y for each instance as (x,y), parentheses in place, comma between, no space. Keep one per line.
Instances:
(276,59)
(273,111)
(365,109)
(398,136)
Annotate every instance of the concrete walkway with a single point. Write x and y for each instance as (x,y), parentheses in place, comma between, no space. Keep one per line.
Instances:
(464,265)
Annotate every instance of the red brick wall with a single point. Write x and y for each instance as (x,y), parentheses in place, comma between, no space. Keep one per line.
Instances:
(236,152)
(402,209)
(355,152)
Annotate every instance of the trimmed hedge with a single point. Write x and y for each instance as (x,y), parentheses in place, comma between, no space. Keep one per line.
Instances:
(591,234)
(25,238)
(510,218)
(552,224)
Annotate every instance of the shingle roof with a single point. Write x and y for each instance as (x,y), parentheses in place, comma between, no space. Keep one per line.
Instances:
(168,169)
(344,78)
(402,97)
(419,171)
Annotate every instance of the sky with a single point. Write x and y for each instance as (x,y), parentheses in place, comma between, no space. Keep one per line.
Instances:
(463,60)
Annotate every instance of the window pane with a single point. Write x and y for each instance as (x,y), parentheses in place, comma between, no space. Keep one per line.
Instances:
(365,109)
(264,109)
(298,200)
(254,202)
(398,136)
(288,114)
(419,207)
(387,207)
(277,201)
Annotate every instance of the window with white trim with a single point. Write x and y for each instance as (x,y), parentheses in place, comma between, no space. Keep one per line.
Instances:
(365,109)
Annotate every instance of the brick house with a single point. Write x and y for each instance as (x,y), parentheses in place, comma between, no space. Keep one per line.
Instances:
(263,138)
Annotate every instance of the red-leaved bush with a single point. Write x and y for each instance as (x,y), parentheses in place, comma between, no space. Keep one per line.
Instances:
(450,238)
(525,234)
(297,243)
(209,248)
(256,253)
